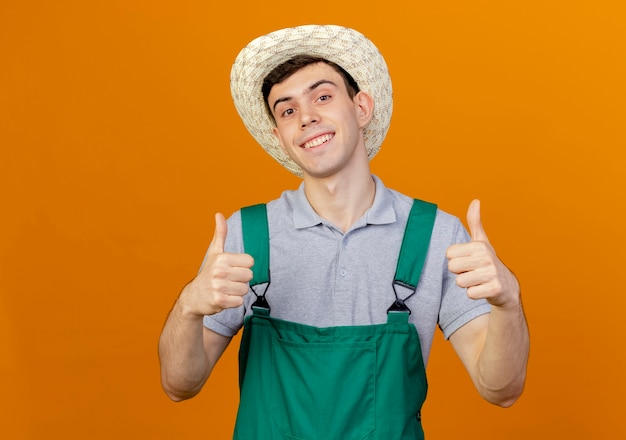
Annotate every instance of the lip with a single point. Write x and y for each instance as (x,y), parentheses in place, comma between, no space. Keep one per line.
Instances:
(317,140)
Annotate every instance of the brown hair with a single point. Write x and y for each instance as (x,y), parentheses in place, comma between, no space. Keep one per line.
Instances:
(291,66)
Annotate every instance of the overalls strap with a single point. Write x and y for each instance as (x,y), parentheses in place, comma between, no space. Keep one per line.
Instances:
(413,251)
(256,242)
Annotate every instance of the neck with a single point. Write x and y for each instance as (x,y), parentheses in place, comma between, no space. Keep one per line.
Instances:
(341,199)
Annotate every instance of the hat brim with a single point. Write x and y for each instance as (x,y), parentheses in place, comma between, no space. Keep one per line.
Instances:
(343,46)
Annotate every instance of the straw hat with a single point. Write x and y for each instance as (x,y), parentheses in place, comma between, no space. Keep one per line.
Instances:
(343,46)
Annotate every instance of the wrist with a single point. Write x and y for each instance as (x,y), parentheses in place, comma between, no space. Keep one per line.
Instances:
(510,302)
(185,305)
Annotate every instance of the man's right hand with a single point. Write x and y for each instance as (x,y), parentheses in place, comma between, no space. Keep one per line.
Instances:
(223,280)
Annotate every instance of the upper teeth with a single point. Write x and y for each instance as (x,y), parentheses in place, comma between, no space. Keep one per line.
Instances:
(318,141)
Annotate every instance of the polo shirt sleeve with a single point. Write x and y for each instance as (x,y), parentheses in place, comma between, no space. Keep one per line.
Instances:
(457,309)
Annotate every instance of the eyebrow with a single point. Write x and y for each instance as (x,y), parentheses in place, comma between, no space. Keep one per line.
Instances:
(308,90)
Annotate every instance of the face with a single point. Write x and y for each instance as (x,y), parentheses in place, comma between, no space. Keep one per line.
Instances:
(318,124)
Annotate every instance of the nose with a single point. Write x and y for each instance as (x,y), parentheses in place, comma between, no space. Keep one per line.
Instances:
(308,116)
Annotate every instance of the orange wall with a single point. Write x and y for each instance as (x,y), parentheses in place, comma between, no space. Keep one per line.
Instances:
(119,141)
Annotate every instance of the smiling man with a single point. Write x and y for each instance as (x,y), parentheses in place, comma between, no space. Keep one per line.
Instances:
(336,340)
(316,126)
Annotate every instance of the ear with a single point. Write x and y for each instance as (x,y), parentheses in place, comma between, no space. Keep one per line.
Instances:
(276,133)
(365,107)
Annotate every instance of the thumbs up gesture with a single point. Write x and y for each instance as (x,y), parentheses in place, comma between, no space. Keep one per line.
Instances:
(223,280)
(478,268)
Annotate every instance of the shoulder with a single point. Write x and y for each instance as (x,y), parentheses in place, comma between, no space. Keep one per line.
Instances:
(447,229)
(278,212)
(448,224)
(402,204)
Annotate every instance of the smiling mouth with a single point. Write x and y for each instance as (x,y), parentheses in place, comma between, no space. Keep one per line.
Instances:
(317,141)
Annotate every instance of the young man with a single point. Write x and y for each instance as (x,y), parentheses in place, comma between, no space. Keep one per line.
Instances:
(340,294)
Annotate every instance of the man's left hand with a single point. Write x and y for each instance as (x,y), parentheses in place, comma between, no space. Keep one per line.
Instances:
(479,269)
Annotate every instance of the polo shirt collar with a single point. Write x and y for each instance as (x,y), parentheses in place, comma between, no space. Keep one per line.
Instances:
(381,212)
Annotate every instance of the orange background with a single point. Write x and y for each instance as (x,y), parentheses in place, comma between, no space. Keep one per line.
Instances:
(119,142)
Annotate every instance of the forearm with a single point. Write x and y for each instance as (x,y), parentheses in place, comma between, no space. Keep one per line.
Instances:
(501,365)
(187,351)
(494,348)
(184,363)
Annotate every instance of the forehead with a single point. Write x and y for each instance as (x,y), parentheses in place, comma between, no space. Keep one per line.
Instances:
(300,81)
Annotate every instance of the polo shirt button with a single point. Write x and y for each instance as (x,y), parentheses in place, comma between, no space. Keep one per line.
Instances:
(342,272)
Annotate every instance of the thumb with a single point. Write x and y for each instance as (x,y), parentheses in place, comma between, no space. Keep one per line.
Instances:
(219,236)
(474,223)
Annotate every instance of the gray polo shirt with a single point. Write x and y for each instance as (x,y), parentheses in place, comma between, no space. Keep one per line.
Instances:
(323,277)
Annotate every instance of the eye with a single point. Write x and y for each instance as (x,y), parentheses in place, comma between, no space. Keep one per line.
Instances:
(324,98)
(287,112)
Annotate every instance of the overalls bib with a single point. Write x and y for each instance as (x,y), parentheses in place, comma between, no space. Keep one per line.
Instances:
(334,383)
